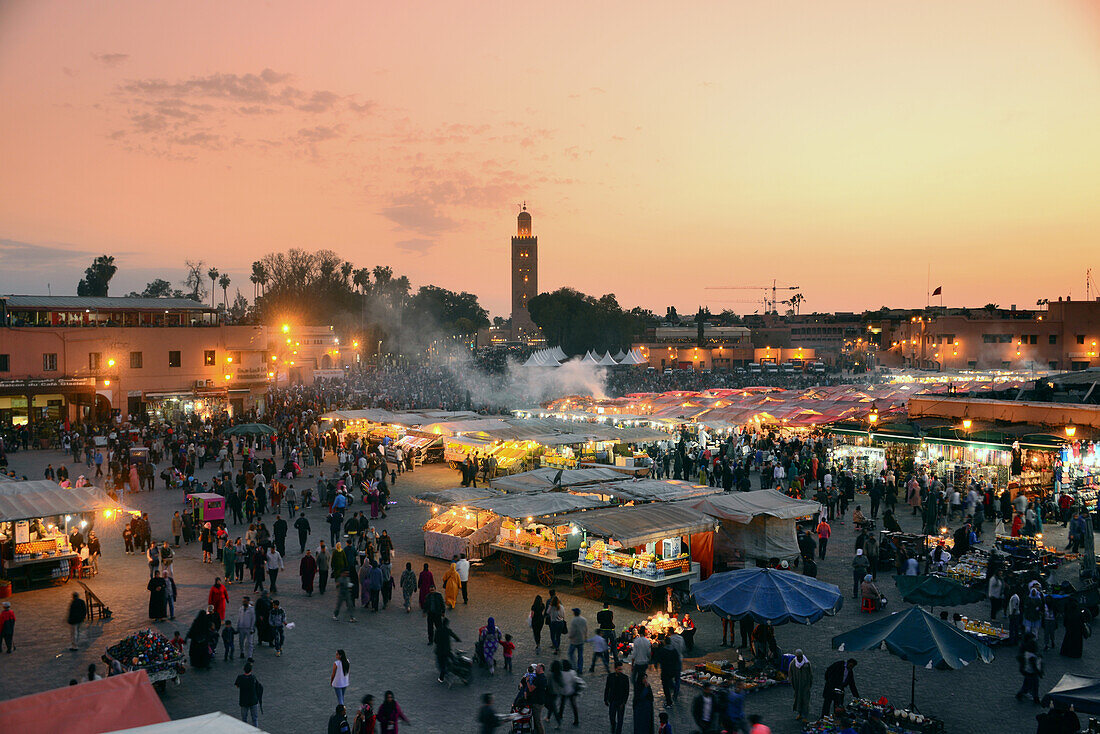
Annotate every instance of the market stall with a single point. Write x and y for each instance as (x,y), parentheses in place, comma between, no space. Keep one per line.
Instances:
(643,553)
(755,526)
(150,651)
(537,539)
(36,518)
(1077,472)
(116,703)
(859,458)
(546,478)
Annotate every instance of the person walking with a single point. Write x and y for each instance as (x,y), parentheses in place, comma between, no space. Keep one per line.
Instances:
(78,612)
(346,590)
(487,719)
(341,670)
(279,531)
(277,619)
(426,583)
(434,608)
(218,597)
(536,618)
(158,601)
(451,586)
(389,714)
(616,692)
(555,618)
(443,636)
(801,676)
(408,586)
(860,564)
(462,565)
(824,532)
(7,627)
(643,706)
(274,564)
(704,710)
(307,569)
(578,633)
(251,695)
(322,567)
(564,685)
(229,561)
(302,526)
(246,627)
(1031,667)
(177,528)
(641,652)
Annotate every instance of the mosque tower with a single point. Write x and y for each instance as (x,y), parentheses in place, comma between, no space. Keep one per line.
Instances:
(525,276)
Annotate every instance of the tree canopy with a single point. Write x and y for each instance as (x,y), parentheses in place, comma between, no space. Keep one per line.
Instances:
(97,277)
(577,322)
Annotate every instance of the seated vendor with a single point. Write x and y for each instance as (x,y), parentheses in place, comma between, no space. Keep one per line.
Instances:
(890,523)
(939,558)
(858,518)
(868,590)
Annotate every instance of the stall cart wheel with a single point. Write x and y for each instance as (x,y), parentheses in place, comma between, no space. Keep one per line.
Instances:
(641,597)
(508,566)
(593,586)
(545,573)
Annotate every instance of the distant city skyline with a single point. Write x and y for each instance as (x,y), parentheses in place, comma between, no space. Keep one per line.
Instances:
(846,147)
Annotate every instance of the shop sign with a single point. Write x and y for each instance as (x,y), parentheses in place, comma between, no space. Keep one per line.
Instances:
(47,382)
(248,374)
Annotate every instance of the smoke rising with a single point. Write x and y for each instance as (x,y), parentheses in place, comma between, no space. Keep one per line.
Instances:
(520,386)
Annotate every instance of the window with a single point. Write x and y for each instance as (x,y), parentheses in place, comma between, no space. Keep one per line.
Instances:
(1006,365)
(1004,338)
(1052,365)
(135,360)
(1080,338)
(94,360)
(209,358)
(1053,338)
(1077,366)
(5,363)
(972,363)
(49,362)
(989,338)
(174,358)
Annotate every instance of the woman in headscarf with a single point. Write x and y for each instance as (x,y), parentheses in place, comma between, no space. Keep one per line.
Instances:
(425,583)
(158,597)
(1074,622)
(207,538)
(199,638)
(135,483)
(374,498)
(643,706)
(264,631)
(229,561)
(490,637)
(537,619)
(452,584)
(218,598)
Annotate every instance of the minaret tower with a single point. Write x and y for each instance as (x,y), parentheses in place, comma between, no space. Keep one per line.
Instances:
(525,275)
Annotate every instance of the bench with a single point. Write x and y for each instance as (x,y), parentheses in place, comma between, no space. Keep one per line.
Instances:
(95,605)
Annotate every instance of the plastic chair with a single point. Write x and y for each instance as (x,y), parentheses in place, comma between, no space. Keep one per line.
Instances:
(868,605)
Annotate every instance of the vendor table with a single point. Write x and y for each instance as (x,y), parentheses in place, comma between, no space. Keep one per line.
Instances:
(517,561)
(622,585)
(36,570)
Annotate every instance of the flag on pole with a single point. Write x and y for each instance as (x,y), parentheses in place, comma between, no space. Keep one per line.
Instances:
(938,291)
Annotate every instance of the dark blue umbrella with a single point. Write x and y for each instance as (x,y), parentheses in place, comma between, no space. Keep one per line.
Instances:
(767,596)
(917,637)
(936,591)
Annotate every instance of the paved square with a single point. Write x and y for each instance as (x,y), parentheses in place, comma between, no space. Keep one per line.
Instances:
(388,650)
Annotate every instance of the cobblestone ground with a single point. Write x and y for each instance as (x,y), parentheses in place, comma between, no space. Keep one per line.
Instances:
(388,650)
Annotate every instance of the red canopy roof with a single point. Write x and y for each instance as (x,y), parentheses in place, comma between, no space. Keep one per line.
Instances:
(120,702)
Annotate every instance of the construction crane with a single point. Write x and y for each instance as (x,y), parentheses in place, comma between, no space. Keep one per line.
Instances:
(769,306)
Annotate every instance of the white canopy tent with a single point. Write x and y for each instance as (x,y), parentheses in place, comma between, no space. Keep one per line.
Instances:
(756,525)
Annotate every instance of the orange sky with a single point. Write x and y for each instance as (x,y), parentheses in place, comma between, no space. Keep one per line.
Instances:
(841,146)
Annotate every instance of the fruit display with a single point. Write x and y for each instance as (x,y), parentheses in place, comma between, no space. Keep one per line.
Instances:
(147,649)
(723,673)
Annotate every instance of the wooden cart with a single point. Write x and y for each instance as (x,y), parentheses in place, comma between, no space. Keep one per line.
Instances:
(528,565)
(641,591)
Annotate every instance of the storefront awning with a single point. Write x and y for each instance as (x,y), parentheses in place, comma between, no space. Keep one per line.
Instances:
(43,498)
(634,526)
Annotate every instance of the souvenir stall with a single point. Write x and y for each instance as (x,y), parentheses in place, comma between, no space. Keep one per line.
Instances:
(537,539)
(755,526)
(548,478)
(36,518)
(425,448)
(1077,471)
(457,448)
(644,554)
(455,528)
(860,711)
(860,458)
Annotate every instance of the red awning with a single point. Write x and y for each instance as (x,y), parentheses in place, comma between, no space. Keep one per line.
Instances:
(121,702)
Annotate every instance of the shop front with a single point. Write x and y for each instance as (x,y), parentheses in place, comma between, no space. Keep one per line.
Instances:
(47,400)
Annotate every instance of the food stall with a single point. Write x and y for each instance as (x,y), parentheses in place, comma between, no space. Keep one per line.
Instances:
(35,520)
(643,553)
(457,448)
(755,526)
(454,528)
(861,459)
(547,478)
(425,448)
(537,539)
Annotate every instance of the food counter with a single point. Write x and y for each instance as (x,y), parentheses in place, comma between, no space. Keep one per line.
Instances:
(628,553)
(460,530)
(550,546)
(49,558)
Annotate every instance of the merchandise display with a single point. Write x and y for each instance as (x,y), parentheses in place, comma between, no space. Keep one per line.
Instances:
(896,721)
(147,650)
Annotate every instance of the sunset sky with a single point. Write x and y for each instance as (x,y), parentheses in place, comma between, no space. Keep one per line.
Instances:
(841,146)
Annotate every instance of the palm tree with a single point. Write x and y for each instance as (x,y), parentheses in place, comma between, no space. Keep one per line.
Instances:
(361,279)
(796,301)
(256,277)
(346,270)
(223,281)
(212,273)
